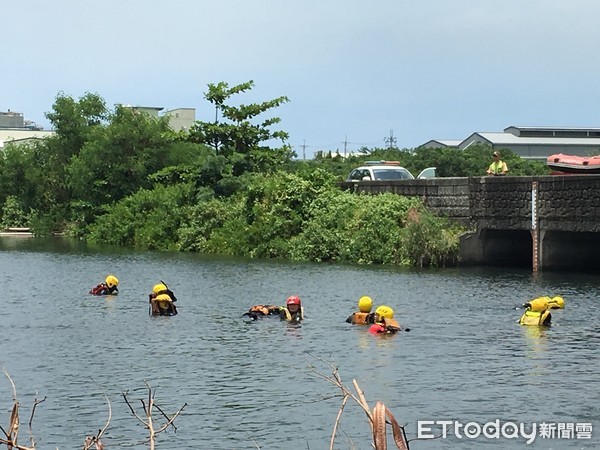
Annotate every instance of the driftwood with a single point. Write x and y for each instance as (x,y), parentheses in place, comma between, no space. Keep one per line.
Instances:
(378,417)
(148,422)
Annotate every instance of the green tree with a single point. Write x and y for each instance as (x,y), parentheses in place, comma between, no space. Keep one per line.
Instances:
(119,158)
(235,133)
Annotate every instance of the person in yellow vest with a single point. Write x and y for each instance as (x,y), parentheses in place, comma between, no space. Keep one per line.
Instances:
(363,316)
(162,301)
(497,167)
(293,311)
(537,312)
(384,321)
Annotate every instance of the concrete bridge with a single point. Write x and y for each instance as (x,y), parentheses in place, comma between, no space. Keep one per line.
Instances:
(544,222)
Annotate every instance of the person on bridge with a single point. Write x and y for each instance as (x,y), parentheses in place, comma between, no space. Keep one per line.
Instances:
(497,167)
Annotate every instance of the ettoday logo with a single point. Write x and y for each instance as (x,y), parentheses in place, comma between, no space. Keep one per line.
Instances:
(430,429)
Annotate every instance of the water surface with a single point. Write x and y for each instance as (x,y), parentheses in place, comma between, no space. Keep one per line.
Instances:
(250,385)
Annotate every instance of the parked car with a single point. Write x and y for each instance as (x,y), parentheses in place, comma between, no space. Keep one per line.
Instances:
(386,171)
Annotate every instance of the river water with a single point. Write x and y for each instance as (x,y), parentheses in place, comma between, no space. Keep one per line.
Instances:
(251,385)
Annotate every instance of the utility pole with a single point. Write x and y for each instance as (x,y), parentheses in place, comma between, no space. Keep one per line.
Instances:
(390,141)
(345,145)
(303,148)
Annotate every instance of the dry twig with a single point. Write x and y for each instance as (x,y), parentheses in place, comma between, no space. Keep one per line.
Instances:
(377,417)
(12,435)
(95,440)
(148,421)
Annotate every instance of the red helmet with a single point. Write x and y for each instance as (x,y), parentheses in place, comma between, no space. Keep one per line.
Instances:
(293,300)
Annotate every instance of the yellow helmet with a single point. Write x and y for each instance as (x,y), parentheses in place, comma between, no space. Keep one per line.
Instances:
(538,304)
(111,281)
(159,287)
(164,301)
(385,311)
(365,304)
(556,303)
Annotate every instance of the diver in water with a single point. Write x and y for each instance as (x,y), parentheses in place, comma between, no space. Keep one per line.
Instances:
(109,287)
(162,301)
(293,311)
(364,315)
(384,321)
(537,312)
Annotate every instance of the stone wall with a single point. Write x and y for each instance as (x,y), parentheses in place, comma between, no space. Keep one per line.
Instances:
(564,202)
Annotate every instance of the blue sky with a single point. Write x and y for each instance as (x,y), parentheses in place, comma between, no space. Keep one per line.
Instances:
(353,70)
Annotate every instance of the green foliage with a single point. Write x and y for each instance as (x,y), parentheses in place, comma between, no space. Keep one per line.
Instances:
(148,219)
(276,208)
(13,213)
(237,136)
(74,121)
(350,228)
(123,177)
(215,226)
(118,161)
(429,240)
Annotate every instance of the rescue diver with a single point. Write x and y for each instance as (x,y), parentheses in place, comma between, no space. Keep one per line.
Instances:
(162,301)
(109,287)
(363,316)
(384,321)
(537,312)
(257,311)
(293,310)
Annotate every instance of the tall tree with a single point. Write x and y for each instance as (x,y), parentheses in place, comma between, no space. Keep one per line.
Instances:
(236,132)
(120,157)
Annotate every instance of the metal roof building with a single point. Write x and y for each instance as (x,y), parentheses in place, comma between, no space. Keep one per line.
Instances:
(533,142)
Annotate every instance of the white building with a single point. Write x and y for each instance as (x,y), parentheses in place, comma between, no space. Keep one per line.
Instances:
(14,128)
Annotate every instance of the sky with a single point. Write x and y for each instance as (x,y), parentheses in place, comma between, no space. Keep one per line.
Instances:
(356,72)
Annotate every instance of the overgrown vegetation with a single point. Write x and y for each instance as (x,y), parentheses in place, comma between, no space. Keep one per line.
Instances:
(230,185)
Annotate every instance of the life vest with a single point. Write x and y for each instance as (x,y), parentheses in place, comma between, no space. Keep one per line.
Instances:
(162,305)
(101,289)
(257,311)
(536,318)
(388,326)
(286,315)
(264,309)
(361,318)
(391,325)
(377,328)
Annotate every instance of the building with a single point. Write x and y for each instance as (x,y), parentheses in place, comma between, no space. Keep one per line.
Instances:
(14,128)
(180,119)
(436,143)
(535,143)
